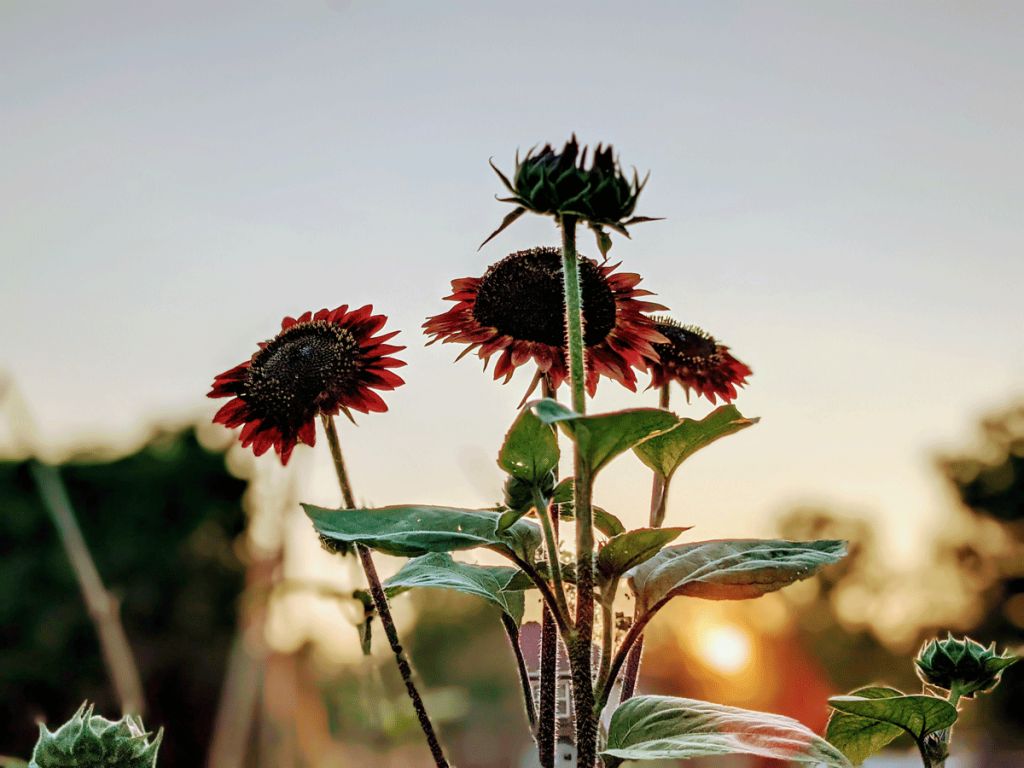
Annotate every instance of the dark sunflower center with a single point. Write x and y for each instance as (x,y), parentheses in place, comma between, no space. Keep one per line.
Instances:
(522,297)
(303,367)
(686,343)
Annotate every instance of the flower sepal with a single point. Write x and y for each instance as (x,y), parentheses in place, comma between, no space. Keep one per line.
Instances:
(561,184)
(965,666)
(91,741)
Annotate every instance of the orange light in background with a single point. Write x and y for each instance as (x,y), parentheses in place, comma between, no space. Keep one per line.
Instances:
(726,648)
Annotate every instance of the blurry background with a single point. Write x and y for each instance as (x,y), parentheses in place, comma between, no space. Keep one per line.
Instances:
(841,187)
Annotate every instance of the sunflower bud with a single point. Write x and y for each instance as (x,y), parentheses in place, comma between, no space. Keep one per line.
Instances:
(519,493)
(91,741)
(561,184)
(962,665)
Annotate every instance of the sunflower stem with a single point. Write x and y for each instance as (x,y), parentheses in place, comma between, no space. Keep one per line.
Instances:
(540,504)
(512,630)
(580,641)
(547,728)
(659,500)
(380,601)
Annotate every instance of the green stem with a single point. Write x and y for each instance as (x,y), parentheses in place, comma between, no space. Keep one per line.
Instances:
(551,541)
(547,728)
(512,630)
(659,501)
(629,642)
(380,601)
(580,643)
(607,630)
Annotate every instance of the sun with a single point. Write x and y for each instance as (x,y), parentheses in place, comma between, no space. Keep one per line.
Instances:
(725,648)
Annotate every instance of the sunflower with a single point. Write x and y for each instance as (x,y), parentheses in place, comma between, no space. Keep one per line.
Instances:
(517,311)
(320,363)
(695,359)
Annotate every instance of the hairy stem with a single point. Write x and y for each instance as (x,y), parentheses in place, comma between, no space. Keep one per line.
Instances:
(547,730)
(512,630)
(659,500)
(607,630)
(551,542)
(380,602)
(102,606)
(580,643)
(545,591)
(628,644)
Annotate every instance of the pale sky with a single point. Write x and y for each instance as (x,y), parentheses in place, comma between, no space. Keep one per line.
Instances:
(841,181)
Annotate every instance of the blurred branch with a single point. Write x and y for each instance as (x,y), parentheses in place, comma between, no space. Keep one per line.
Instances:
(103,607)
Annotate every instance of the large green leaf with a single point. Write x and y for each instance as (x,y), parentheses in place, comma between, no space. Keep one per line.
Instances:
(530,450)
(860,737)
(602,437)
(439,570)
(629,549)
(410,531)
(736,569)
(665,452)
(918,715)
(668,728)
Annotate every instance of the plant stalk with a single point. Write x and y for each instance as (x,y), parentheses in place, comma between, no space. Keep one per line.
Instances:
(102,607)
(512,630)
(547,730)
(619,658)
(659,500)
(580,642)
(380,601)
(551,542)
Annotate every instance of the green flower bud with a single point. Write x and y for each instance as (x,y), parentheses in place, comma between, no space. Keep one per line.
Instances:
(964,665)
(561,184)
(91,741)
(519,493)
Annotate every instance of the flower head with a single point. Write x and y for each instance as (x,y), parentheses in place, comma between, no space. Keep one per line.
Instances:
(695,359)
(561,183)
(320,363)
(965,665)
(517,309)
(91,741)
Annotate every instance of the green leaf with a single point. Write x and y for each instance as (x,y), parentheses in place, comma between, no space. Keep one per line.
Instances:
(439,570)
(530,450)
(602,437)
(410,531)
(736,569)
(669,728)
(665,452)
(860,737)
(604,521)
(629,549)
(918,715)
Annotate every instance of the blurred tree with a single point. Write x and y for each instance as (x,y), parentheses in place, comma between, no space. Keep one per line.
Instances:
(162,525)
(974,582)
(989,482)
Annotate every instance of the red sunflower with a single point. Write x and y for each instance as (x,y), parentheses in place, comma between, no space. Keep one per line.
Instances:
(697,361)
(517,311)
(317,364)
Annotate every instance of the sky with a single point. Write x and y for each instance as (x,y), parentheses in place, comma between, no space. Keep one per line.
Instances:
(841,187)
